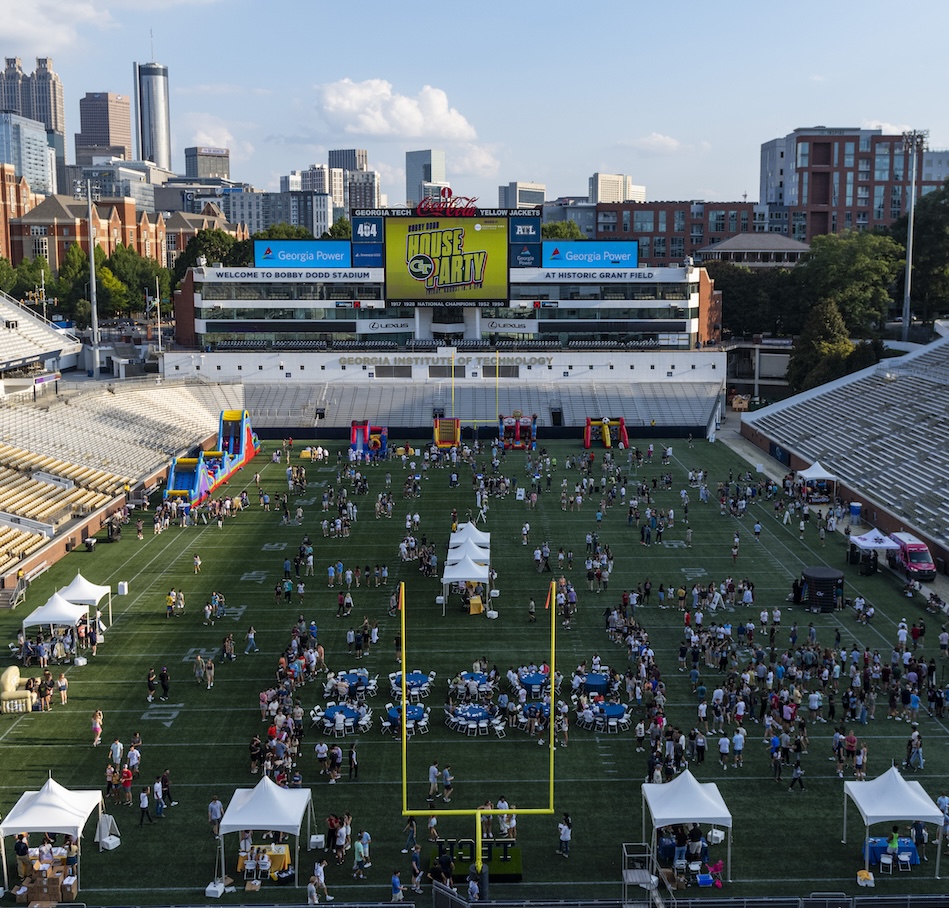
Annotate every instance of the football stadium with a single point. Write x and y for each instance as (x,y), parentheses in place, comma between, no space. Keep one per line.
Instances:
(505,575)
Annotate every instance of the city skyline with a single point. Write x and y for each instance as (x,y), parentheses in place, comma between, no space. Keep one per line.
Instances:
(682,106)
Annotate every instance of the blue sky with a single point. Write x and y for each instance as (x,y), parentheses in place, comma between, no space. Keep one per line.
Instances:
(679,96)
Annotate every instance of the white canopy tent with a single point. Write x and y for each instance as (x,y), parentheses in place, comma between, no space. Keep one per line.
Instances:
(873,539)
(463,571)
(51,809)
(469,531)
(85,592)
(888,799)
(686,800)
(56,612)
(468,549)
(268,806)
(817,473)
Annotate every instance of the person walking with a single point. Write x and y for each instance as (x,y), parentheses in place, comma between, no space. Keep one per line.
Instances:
(215,812)
(143,805)
(209,673)
(797,776)
(447,783)
(151,684)
(165,680)
(353,763)
(566,834)
(410,830)
(251,638)
(97,728)
(159,795)
(432,781)
(197,563)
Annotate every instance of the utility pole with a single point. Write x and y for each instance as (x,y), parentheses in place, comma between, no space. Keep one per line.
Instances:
(914,142)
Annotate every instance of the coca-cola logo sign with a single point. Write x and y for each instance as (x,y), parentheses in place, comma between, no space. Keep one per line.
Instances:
(448,205)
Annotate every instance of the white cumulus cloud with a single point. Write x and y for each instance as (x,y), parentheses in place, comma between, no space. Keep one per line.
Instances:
(373,108)
(656,143)
(889,129)
(209,130)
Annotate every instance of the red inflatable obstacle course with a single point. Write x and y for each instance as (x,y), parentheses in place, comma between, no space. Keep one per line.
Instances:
(368,441)
(610,431)
(447,432)
(518,432)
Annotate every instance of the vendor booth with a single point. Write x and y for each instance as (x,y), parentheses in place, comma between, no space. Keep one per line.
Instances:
(269,807)
(865,550)
(58,613)
(468,549)
(820,485)
(464,572)
(51,809)
(470,531)
(85,592)
(891,799)
(686,800)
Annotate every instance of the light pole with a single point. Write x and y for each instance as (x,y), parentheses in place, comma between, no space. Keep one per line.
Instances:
(914,142)
(91,187)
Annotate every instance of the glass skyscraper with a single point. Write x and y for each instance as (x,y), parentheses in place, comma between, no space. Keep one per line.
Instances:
(152,115)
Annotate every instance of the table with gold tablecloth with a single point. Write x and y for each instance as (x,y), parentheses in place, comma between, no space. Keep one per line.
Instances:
(279,857)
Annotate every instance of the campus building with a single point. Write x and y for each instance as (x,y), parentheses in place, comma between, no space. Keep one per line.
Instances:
(821,180)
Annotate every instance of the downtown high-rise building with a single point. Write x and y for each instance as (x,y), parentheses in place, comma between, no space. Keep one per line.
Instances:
(426,166)
(522,195)
(348,159)
(614,187)
(152,114)
(202,163)
(37,96)
(23,145)
(105,123)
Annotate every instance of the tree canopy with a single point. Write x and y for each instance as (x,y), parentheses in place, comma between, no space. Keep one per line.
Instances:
(342,229)
(561,230)
(930,285)
(822,349)
(854,270)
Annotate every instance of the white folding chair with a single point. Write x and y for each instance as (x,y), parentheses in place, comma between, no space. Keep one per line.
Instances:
(886,864)
(263,868)
(904,861)
(483,727)
(250,869)
(472,728)
(499,729)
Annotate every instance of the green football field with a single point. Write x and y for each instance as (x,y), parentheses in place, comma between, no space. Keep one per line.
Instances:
(784,843)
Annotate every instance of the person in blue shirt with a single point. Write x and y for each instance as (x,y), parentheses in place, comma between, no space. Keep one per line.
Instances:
(397,887)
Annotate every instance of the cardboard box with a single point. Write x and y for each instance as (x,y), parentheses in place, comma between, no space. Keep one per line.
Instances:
(252,886)
(19,894)
(214,890)
(69,889)
(227,881)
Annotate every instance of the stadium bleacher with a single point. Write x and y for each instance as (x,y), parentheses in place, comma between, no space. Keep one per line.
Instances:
(884,431)
(26,338)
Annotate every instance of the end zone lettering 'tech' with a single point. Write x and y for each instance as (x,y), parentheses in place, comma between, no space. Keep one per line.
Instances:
(438,259)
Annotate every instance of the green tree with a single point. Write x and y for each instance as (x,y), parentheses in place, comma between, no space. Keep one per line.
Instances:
(342,229)
(855,270)
(754,301)
(930,288)
(561,230)
(821,351)
(214,245)
(139,275)
(30,275)
(7,275)
(112,295)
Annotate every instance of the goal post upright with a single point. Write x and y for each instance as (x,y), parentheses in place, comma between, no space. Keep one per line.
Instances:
(477,813)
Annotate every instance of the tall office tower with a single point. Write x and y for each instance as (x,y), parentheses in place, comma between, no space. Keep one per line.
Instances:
(152,114)
(37,96)
(348,159)
(362,189)
(522,195)
(615,187)
(105,123)
(426,166)
(206,163)
(23,143)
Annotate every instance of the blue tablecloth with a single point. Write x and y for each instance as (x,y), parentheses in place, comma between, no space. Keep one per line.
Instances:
(535,683)
(471,713)
(480,677)
(611,710)
(412,680)
(357,681)
(414,712)
(877,846)
(596,683)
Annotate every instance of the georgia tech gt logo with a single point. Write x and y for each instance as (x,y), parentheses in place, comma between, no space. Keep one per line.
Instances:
(421,267)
